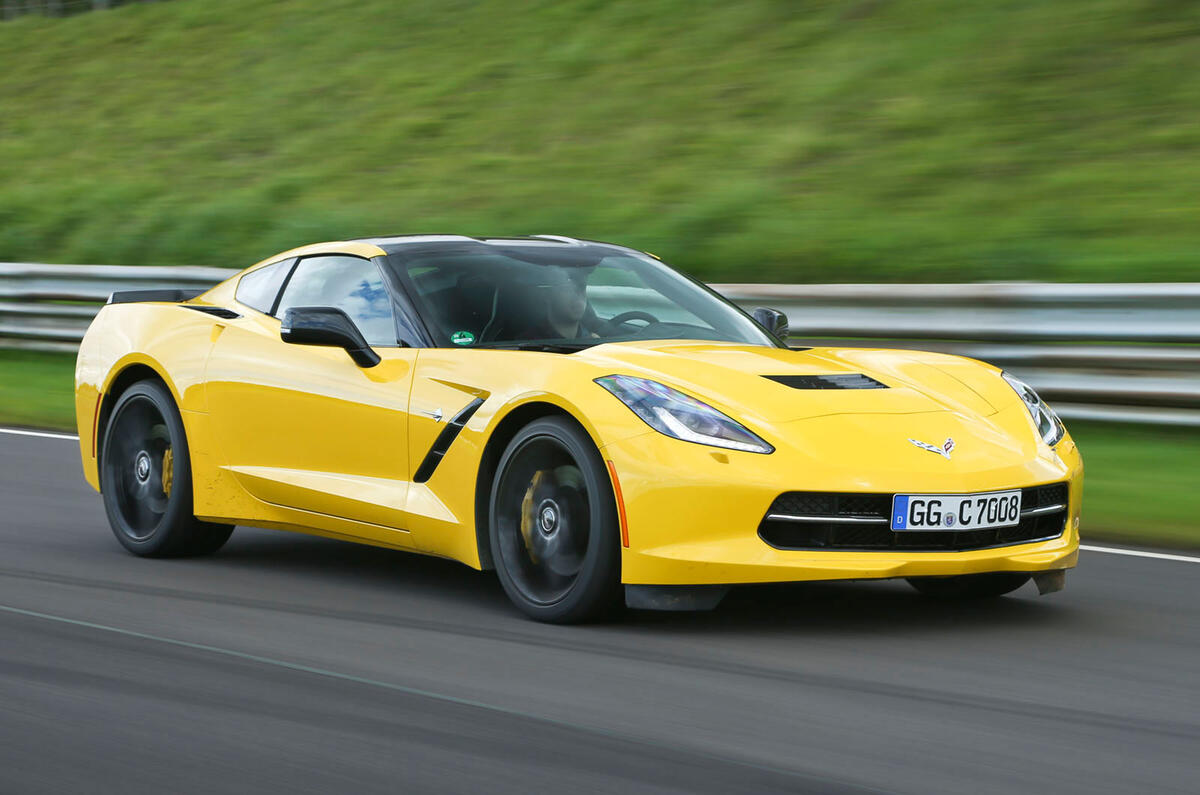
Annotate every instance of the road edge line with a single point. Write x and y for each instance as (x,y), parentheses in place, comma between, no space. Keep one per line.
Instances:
(1137,553)
(40,434)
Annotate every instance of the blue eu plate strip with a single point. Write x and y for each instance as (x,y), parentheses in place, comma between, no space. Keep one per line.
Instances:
(900,512)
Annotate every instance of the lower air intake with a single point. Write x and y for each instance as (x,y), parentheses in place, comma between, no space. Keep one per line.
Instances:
(864,523)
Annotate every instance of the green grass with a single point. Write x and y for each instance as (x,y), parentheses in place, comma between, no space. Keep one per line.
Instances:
(37,390)
(1139,482)
(759,140)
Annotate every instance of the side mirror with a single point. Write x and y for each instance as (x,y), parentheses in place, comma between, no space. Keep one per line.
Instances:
(326,325)
(772,320)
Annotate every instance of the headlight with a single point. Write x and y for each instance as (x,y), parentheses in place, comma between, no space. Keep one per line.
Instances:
(673,413)
(1048,424)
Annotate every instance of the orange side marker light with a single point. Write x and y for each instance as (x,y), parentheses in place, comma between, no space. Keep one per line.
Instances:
(612,470)
(96,423)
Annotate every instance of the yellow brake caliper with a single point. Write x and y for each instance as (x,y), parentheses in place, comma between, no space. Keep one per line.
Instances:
(168,471)
(527,517)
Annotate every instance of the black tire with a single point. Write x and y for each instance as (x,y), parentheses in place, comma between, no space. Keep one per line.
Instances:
(552,524)
(146,478)
(970,586)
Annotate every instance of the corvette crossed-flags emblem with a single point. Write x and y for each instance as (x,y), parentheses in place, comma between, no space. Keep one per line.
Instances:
(943,451)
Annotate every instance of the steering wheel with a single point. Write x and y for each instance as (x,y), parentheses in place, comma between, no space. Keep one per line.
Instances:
(633,314)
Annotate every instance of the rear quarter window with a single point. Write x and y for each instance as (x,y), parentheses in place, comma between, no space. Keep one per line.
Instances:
(259,288)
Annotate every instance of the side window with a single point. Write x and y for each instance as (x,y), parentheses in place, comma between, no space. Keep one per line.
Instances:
(351,284)
(258,289)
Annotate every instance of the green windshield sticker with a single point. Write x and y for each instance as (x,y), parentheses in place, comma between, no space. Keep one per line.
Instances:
(462,338)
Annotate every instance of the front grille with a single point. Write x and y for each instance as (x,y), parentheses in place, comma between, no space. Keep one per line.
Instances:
(879,536)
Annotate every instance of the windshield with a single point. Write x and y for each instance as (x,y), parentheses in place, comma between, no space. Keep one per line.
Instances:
(525,294)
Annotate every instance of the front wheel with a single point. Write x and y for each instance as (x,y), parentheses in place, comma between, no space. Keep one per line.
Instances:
(146,478)
(553,524)
(970,586)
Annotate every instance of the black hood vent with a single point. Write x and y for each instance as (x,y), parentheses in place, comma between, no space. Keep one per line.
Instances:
(838,381)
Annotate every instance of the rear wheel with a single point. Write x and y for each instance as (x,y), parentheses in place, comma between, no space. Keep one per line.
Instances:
(969,586)
(146,478)
(553,524)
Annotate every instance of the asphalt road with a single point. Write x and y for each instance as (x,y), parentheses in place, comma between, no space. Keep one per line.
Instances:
(294,664)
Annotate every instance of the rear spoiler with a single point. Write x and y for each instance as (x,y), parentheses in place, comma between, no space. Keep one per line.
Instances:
(172,296)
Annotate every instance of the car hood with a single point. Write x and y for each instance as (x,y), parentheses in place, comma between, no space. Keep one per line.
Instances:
(732,378)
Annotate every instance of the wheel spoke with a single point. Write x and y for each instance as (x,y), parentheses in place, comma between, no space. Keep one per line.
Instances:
(157,503)
(146,518)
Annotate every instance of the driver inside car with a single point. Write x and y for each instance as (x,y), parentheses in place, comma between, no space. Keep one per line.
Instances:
(561,312)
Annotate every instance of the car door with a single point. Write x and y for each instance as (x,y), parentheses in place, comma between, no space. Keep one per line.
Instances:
(304,427)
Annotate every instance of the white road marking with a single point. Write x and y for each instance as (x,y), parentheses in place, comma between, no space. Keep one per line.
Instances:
(1137,553)
(42,434)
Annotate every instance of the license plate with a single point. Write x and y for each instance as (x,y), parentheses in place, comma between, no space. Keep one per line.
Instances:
(956,511)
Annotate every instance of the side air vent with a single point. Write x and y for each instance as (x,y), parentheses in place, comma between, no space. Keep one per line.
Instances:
(838,381)
(443,441)
(215,311)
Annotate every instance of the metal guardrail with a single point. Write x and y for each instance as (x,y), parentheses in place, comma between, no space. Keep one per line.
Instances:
(1112,352)
(11,9)
(48,307)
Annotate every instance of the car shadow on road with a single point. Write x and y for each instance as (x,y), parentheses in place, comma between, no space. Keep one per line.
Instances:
(876,607)
(327,562)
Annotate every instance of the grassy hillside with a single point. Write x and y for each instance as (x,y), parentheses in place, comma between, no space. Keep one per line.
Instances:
(752,140)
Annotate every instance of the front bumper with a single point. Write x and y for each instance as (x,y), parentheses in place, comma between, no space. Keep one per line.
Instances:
(693,512)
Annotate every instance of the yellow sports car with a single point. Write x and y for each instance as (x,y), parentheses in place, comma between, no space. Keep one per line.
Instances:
(575,415)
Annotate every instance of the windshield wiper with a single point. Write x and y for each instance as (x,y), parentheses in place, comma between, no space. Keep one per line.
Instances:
(551,347)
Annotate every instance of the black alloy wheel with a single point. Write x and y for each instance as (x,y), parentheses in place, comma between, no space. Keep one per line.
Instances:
(970,586)
(553,524)
(146,478)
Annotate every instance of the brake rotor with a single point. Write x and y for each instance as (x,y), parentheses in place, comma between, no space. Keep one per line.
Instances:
(554,520)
